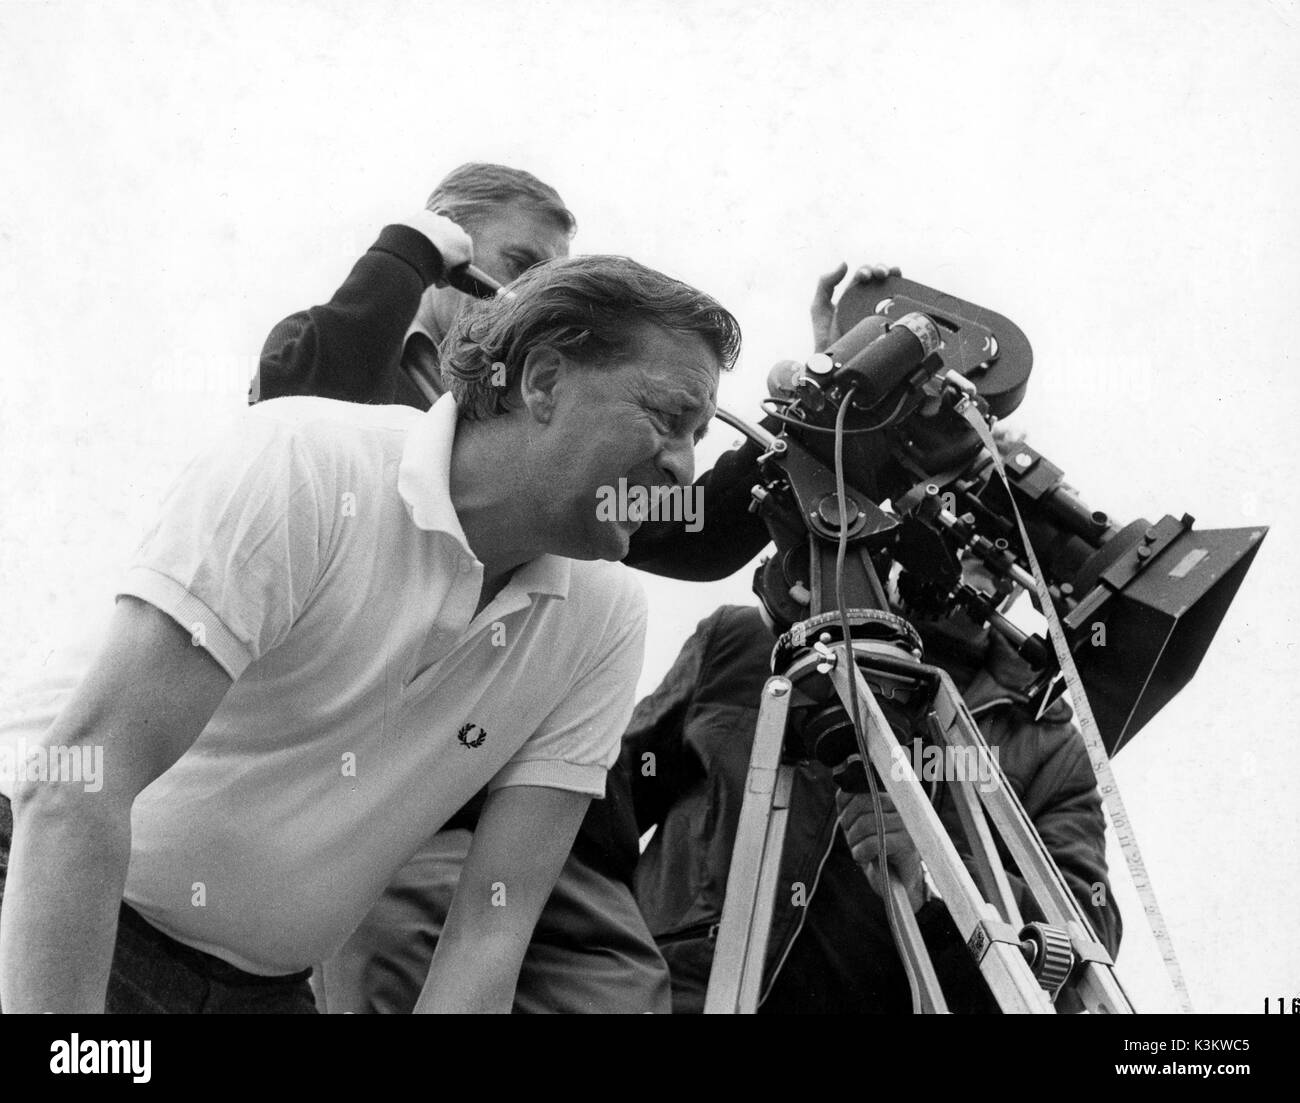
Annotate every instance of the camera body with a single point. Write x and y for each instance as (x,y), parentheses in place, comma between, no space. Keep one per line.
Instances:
(923,498)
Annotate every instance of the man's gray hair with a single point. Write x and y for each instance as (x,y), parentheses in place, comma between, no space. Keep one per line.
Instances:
(471,193)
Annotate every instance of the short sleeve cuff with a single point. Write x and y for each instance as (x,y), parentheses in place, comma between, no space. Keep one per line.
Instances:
(552,774)
(206,629)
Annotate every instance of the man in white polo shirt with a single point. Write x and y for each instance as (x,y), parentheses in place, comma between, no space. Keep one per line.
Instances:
(347,621)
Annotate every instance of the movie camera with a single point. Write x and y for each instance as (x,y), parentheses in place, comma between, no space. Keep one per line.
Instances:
(903,528)
(1139,602)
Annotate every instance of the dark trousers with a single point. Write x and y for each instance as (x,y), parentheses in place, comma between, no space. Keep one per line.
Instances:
(153,973)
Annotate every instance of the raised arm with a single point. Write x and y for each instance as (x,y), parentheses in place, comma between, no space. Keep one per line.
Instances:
(350,347)
(145,700)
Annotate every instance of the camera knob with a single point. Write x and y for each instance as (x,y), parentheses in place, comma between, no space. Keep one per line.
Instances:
(829,509)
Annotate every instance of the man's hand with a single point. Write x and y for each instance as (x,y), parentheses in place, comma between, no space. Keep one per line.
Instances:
(452,243)
(858,821)
(825,330)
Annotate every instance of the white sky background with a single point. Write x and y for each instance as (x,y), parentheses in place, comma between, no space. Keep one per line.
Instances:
(1120,182)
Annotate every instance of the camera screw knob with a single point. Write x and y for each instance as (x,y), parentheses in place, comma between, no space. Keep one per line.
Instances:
(829,509)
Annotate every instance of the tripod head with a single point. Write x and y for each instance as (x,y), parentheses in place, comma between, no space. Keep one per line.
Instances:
(1139,602)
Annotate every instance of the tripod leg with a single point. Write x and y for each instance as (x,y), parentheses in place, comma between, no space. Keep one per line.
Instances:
(988,866)
(994,944)
(737,971)
(927,995)
(1096,984)
(760,927)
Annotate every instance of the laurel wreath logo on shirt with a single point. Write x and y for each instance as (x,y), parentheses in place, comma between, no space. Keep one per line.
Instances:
(471,740)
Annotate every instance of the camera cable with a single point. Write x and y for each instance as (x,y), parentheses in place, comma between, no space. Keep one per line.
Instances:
(840,553)
(1097,754)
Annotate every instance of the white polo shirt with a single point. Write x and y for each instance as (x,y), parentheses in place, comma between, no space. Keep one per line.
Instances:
(318,558)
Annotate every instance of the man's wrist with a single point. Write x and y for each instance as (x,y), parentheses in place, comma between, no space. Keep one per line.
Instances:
(413,248)
(447,238)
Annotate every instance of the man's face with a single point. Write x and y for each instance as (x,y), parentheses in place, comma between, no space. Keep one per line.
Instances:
(638,420)
(509,241)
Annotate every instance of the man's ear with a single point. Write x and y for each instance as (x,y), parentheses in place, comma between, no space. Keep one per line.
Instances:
(541,373)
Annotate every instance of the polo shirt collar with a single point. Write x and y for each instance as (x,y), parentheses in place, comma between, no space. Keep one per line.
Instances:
(424,476)
(424,482)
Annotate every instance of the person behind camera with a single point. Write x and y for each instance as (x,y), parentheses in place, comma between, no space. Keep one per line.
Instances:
(686,756)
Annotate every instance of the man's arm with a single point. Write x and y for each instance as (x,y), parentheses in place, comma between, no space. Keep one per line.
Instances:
(216,583)
(523,838)
(533,810)
(145,700)
(350,348)
(728,537)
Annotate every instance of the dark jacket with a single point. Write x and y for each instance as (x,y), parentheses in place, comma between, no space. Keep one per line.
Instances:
(698,727)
